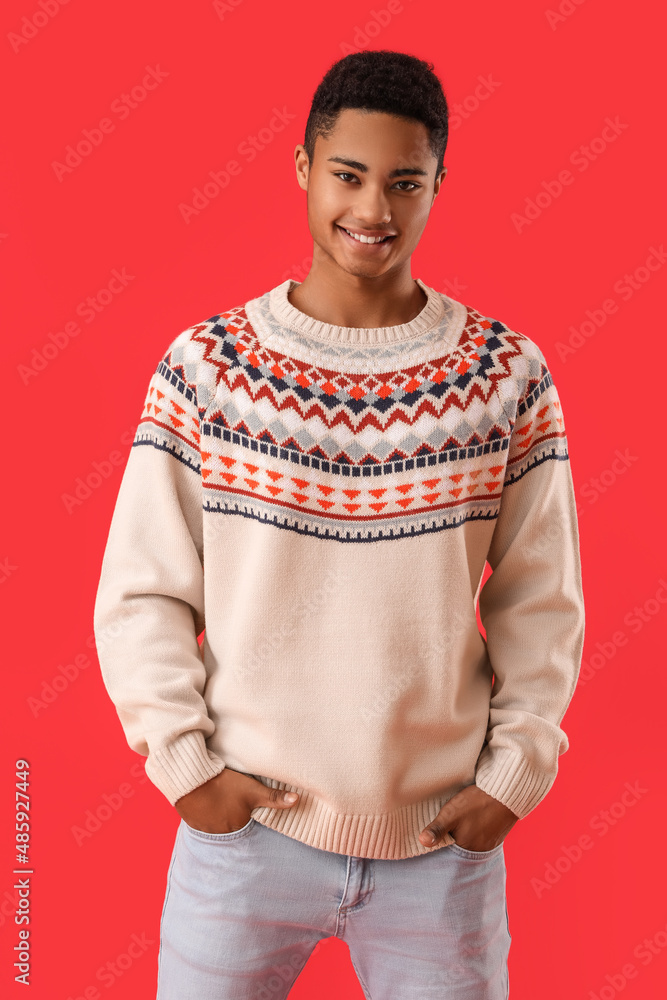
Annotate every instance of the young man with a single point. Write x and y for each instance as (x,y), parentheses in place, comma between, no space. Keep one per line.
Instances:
(318,478)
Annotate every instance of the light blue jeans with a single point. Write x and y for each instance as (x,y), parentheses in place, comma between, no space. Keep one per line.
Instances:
(244,910)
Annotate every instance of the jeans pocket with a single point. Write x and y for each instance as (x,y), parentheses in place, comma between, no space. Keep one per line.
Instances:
(463,852)
(220,838)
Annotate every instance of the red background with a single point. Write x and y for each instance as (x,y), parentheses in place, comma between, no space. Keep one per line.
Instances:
(72,406)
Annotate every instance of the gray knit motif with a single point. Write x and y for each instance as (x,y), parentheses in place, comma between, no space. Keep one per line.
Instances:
(354,357)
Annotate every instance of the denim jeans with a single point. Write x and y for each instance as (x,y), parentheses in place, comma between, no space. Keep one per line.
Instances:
(244,910)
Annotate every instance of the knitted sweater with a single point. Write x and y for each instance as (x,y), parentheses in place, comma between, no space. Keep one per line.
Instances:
(322,501)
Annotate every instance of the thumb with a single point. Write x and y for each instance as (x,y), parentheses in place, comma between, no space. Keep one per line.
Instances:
(280,798)
(445,821)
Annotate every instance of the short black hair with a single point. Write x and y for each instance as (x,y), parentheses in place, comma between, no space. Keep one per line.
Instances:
(380,80)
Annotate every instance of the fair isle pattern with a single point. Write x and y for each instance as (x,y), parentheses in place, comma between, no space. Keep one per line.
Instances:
(354,455)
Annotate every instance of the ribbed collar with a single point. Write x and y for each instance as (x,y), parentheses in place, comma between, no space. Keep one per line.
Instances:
(288,315)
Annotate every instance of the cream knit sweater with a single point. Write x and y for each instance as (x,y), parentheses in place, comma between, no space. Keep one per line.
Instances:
(322,501)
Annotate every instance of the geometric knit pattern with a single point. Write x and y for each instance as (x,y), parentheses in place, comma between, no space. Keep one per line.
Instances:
(349,443)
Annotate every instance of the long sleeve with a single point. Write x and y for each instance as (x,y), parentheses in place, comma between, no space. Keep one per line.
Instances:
(532,605)
(149,607)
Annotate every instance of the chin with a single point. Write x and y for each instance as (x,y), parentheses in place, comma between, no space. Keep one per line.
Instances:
(359,271)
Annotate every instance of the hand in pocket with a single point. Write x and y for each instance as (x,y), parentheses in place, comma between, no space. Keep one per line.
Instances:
(224,804)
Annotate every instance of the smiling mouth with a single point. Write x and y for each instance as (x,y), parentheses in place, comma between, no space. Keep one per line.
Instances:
(364,241)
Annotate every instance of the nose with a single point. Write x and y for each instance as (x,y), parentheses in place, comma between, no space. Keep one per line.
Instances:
(371,206)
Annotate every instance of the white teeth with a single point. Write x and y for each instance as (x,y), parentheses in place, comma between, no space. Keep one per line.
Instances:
(365,239)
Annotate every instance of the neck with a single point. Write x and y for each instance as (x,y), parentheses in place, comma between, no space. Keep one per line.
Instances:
(290,316)
(349,300)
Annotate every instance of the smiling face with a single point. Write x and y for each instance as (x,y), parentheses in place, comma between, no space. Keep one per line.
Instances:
(375,176)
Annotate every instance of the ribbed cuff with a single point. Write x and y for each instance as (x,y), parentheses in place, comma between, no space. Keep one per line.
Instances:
(508,777)
(183,765)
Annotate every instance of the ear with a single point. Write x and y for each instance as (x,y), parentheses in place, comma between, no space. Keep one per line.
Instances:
(302,166)
(438,181)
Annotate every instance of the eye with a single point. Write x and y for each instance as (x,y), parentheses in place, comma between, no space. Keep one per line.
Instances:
(345,173)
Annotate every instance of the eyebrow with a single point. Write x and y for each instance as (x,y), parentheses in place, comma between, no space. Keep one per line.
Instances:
(362,168)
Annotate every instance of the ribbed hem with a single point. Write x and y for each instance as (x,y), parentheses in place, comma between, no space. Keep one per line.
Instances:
(183,765)
(288,315)
(389,836)
(508,777)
